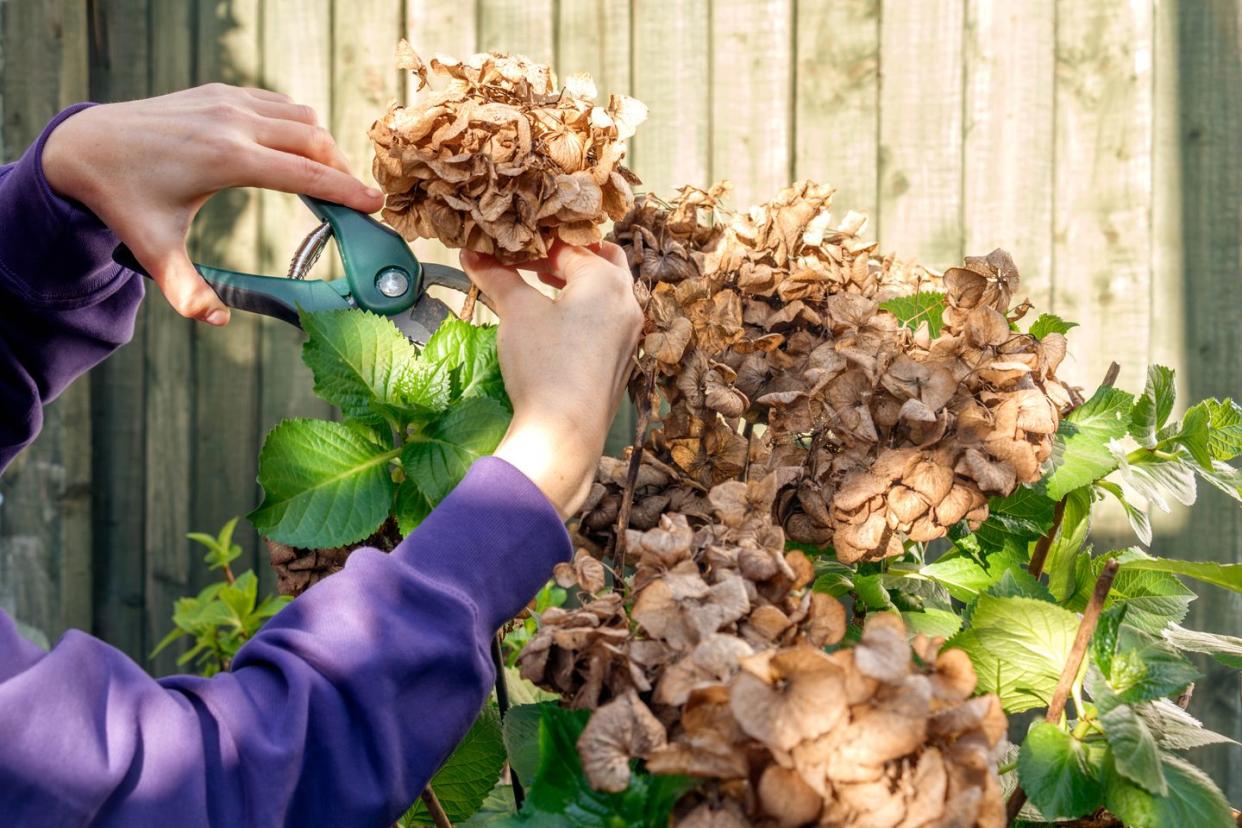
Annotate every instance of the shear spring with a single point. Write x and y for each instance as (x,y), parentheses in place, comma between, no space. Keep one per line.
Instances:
(309,251)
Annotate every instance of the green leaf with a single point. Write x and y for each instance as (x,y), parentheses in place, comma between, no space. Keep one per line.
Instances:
(498,805)
(1224,426)
(440,455)
(324,484)
(357,358)
(1153,477)
(1080,452)
(1022,583)
(870,590)
(1057,773)
(1155,599)
(1192,799)
(521,736)
(1153,407)
(469,774)
(1104,639)
(426,385)
(522,691)
(1024,516)
(936,623)
(966,578)
(1050,323)
(1195,435)
(411,507)
(468,353)
(561,797)
(1175,729)
(1068,544)
(1139,521)
(1018,647)
(911,311)
(1135,755)
(1224,648)
(1144,669)
(1228,576)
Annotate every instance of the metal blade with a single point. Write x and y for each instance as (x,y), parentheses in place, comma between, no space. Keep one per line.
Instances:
(421,322)
(445,276)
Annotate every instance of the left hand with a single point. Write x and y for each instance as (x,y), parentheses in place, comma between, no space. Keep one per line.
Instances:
(146,167)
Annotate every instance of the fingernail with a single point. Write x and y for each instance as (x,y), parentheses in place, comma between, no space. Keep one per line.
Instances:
(374,193)
(217,317)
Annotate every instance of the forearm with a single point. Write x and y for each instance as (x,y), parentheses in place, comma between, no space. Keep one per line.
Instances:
(336,713)
(64,304)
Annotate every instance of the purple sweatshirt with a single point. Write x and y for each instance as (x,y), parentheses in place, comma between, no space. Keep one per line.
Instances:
(339,710)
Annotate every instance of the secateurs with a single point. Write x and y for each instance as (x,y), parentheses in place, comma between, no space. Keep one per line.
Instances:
(382,275)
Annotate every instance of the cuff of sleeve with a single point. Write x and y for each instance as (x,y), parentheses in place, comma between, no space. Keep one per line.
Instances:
(53,252)
(495,538)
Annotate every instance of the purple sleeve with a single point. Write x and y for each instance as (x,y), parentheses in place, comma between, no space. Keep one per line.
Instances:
(336,713)
(339,710)
(64,304)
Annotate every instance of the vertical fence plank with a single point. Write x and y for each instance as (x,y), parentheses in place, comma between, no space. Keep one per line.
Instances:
(169,386)
(439,26)
(364,79)
(751,84)
(1209,75)
(45,519)
(1102,237)
(296,55)
(920,172)
(671,76)
(120,71)
(836,99)
(593,36)
(523,27)
(225,359)
(1009,50)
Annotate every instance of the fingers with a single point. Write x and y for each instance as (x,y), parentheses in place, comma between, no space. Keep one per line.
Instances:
(302,139)
(502,284)
(284,111)
(182,285)
(266,94)
(292,173)
(573,263)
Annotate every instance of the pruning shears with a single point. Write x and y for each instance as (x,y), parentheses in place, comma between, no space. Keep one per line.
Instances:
(382,275)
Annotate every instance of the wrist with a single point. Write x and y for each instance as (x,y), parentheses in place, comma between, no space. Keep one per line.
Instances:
(560,464)
(66,167)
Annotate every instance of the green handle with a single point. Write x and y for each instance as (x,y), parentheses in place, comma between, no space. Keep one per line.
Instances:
(271,296)
(383,275)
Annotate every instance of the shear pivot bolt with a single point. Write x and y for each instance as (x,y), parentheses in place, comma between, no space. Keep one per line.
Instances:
(392,282)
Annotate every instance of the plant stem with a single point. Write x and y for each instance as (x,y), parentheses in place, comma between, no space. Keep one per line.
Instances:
(1040,555)
(438,817)
(467,307)
(502,704)
(1069,673)
(631,476)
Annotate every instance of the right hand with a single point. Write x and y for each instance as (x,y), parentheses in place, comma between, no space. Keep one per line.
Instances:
(565,361)
(146,167)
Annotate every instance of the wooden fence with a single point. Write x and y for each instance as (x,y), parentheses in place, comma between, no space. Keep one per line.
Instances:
(1097,140)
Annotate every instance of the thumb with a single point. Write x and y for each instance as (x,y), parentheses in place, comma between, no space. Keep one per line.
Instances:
(501,284)
(182,285)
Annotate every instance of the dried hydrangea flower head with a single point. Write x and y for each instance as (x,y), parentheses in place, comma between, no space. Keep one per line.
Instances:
(501,159)
(715,668)
(879,432)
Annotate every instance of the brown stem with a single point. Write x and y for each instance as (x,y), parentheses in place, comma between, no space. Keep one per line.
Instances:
(1060,695)
(467,307)
(438,817)
(631,476)
(1183,701)
(1040,555)
(228,575)
(1110,377)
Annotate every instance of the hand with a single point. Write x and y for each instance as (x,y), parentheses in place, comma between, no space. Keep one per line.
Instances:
(146,167)
(565,361)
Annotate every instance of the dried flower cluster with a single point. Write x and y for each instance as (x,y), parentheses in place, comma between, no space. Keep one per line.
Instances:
(879,432)
(297,569)
(502,160)
(726,679)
